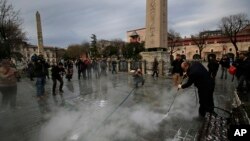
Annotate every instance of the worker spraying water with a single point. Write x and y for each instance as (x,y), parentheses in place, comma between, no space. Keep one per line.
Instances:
(199,76)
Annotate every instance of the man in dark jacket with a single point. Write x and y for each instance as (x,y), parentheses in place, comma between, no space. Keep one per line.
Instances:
(40,74)
(57,72)
(225,64)
(243,71)
(177,70)
(199,76)
(155,67)
(213,67)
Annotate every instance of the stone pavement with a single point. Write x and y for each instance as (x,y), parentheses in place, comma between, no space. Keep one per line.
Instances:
(109,108)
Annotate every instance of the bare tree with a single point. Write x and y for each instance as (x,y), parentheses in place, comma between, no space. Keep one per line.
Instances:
(173,39)
(232,25)
(200,40)
(11,34)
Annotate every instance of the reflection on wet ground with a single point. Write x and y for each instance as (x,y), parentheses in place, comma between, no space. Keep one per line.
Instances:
(108,109)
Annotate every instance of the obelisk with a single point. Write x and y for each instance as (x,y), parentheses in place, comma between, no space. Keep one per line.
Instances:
(39,33)
(156,25)
(156,33)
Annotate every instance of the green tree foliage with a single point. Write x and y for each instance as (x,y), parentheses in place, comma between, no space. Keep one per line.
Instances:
(93,50)
(132,50)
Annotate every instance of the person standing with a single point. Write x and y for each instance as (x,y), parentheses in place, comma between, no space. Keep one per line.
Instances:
(8,84)
(243,72)
(199,76)
(155,67)
(57,73)
(40,74)
(213,67)
(225,64)
(177,71)
(95,65)
(31,70)
(114,63)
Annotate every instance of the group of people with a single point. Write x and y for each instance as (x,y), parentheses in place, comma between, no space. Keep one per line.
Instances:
(203,78)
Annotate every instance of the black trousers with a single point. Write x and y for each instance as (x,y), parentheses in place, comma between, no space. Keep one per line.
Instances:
(206,100)
(55,82)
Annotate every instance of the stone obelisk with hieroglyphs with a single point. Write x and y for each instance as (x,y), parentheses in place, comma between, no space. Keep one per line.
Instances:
(156,33)
(39,33)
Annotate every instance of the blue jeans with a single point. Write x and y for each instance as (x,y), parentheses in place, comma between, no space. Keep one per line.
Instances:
(40,83)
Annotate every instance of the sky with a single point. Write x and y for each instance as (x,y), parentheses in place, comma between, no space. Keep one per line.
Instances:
(66,22)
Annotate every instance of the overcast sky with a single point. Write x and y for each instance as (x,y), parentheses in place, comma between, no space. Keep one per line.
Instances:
(66,22)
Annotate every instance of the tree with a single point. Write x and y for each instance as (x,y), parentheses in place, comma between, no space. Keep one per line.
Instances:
(173,39)
(200,40)
(132,50)
(93,49)
(232,25)
(76,50)
(11,34)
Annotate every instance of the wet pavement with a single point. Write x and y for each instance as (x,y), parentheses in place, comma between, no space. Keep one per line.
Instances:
(109,109)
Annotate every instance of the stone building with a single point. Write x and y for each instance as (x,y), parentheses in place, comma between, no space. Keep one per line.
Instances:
(51,54)
(216,45)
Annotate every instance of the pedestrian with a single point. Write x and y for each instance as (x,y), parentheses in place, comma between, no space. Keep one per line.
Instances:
(57,75)
(95,65)
(47,66)
(79,65)
(31,70)
(8,84)
(114,63)
(177,71)
(155,67)
(104,67)
(40,74)
(69,68)
(198,75)
(243,72)
(213,67)
(225,64)
(88,64)
(138,78)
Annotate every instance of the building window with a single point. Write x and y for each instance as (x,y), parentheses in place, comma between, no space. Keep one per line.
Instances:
(196,51)
(212,50)
(182,52)
(230,49)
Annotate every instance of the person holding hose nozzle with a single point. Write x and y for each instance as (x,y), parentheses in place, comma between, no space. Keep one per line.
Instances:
(198,75)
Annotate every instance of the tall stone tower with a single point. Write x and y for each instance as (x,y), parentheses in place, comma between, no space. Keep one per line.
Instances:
(156,25)
(156,34)
(39,33)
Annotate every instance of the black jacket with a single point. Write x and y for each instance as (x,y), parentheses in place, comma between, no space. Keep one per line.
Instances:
(56,71)
(213,66)
(177,66)
(40,68)
(225,62)
(199,76)
(242,67)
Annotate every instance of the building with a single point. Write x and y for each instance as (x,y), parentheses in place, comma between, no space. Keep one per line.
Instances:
(136,35)
(51,54)
(216,45)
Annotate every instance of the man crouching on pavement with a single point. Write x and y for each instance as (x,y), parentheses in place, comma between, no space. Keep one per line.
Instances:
(138,78)
(199,75)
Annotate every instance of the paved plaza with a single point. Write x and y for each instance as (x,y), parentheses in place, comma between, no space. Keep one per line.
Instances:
(108,109)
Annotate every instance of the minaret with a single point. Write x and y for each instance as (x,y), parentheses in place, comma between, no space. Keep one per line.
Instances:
(156,24)
(39,33)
